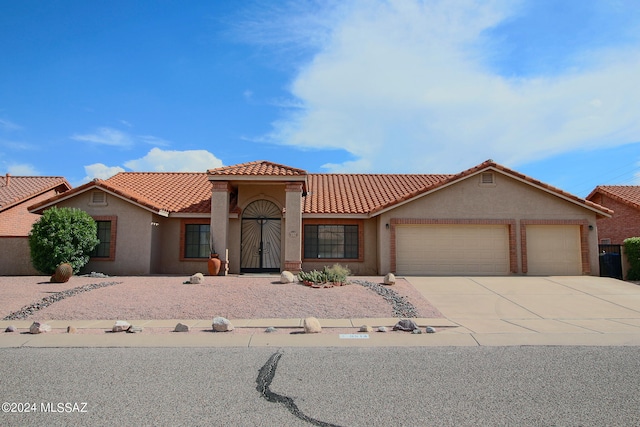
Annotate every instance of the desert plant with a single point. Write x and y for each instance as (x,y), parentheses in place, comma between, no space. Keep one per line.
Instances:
(63,273)
(334,274)
(62,235)
(632,250)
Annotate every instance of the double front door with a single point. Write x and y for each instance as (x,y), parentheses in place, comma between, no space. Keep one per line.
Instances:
(261,234)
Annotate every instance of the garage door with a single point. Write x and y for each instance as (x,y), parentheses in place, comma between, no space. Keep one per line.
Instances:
(452,249)
(554,250)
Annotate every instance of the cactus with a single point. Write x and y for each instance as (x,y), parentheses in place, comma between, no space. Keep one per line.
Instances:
(62,274)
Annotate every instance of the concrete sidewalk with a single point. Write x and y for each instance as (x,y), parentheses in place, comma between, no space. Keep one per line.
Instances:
(478,311)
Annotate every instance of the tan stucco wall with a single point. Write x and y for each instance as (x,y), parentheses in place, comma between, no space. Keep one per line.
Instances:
(133,239)
(508,199)
(16,258)
(167,256)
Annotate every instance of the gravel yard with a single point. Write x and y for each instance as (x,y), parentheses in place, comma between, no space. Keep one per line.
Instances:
(234,297)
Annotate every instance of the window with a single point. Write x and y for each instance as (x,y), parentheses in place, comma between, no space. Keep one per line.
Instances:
(196,241)
(106,249)
(331,241)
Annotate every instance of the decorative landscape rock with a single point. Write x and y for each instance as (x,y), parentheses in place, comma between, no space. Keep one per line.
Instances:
(407,325)
(365,328)
(382,329)
(39,328)
(196,279)
(71,329)
(11,328)
(431,330)
(401,307)
(311,326)
(416,331)
(181,327)
(121,326)
(287,277)
(270,330)
(390,279)
(220,324)
(134,329)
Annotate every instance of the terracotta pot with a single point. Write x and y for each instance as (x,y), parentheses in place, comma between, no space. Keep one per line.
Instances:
(214,264)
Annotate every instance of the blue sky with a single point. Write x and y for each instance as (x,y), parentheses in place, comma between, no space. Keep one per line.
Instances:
(550,88)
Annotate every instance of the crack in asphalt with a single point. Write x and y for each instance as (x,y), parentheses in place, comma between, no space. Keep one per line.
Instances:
(263,381)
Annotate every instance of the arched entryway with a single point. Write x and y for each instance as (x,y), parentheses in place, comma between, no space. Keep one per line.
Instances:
(261,225)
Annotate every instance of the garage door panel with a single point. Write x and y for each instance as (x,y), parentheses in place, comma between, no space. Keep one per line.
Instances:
(554,250)
(452,249)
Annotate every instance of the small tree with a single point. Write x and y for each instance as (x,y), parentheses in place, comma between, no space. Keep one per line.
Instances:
(632,250)
(62,235)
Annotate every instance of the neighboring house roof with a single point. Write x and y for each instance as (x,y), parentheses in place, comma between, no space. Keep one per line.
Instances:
(336,194)
(626,194)
(18,189)
(16,192)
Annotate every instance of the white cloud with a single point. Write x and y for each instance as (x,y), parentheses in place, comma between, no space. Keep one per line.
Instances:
(405,86)
(158,160)
(106,136)
(101,171)
(153,140)
(8,125)
(22,169)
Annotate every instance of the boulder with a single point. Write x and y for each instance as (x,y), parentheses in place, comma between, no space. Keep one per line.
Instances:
(365,328)
(382,329)
(390,279)
(11,328)
(196,279)
(407,325)
(287,277)
(121,326)
(39,328)
(71,329)
(220,324)
(270,330)
(311,326)
(431,330)
(181,327)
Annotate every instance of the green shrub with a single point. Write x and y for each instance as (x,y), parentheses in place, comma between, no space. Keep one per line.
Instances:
(334,274)
(632,250)
(62,235)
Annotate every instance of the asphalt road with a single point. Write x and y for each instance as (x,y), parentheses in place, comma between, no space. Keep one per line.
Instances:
(532,386)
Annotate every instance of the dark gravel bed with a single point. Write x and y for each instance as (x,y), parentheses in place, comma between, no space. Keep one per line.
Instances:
(401,307)
(30,309)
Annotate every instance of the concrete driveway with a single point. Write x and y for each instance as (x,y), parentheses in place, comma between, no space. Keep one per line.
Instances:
(559,310)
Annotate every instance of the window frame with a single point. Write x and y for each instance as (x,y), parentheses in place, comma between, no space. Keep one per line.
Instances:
(112,236)
(334,222)
(183,239)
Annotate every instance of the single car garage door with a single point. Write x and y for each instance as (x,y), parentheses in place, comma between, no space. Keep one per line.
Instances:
(553,250)
(452,249)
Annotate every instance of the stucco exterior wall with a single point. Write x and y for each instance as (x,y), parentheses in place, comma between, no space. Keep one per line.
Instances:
(167,252)
(624,223)
(133,236)
(507,199)
(16,258)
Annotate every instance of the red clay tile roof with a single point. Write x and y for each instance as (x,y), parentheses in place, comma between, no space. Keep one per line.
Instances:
(362,193)
(22,188)
(175,192)
(627,194)
(258,168)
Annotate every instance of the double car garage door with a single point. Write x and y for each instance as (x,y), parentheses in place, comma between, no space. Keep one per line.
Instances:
(470,249)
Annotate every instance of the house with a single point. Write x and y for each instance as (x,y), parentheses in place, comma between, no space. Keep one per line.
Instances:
(262,217)
(624,200)
(17,193)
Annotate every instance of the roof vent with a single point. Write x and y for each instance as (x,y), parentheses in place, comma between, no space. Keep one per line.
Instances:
(486,178)
(98,198)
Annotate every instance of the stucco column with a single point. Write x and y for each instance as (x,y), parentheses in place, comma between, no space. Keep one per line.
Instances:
(293,228)
(220,222)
